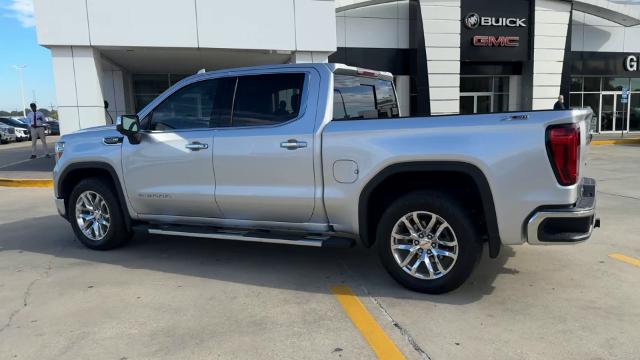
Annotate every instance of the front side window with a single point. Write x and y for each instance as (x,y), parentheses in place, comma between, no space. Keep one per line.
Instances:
(267,99)
(357,97)
(203,104)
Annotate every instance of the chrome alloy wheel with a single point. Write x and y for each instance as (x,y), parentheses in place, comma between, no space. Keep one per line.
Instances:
(92,215)
(424,245)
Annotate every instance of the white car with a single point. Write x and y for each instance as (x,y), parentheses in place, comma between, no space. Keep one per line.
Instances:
(7,134)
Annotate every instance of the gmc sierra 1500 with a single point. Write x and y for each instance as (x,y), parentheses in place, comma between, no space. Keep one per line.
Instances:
(318,155)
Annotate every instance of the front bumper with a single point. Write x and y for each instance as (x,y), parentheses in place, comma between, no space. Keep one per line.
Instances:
(553,225)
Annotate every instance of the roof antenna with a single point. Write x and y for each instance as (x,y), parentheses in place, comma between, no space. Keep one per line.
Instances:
(201,71)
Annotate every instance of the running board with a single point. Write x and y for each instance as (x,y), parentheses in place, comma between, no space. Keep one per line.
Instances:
(327,241)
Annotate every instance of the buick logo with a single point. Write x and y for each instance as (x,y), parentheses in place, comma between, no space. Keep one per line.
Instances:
(472,20)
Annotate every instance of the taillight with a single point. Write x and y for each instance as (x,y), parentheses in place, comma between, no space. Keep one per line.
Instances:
(563,148)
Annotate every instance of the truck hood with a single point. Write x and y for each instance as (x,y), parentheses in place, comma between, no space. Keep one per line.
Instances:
(96,128)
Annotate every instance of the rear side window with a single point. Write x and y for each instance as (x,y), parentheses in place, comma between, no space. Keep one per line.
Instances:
(357,97)
(267,99)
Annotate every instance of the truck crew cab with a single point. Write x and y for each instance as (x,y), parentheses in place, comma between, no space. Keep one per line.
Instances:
(318,155)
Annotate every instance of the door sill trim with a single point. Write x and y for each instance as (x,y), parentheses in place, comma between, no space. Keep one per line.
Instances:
(234,223)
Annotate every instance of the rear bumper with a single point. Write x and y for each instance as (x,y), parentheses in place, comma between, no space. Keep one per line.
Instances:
(551,226)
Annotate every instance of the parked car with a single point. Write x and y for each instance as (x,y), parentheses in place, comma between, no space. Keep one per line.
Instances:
(318,155)
(7,134)
(22,130)
(53,126)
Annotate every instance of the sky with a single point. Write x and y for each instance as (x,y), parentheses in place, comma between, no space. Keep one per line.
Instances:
(19,46)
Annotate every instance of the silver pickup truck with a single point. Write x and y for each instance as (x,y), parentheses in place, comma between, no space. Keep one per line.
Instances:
(318,155)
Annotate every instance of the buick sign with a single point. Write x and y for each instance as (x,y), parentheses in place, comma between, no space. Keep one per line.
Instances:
(472,20)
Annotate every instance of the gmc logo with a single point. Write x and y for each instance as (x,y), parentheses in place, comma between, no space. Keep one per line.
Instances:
(496,41)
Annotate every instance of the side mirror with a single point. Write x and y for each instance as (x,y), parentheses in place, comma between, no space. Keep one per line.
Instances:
(129,126)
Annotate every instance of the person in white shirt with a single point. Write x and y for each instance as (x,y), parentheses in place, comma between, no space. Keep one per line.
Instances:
(36,122)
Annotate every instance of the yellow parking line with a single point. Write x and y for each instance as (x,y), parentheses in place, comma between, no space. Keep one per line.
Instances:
(44,183)
(381,344)
(627,259)
(615,142)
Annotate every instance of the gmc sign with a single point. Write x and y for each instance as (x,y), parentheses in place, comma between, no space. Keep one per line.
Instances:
(496,41)
(495,30)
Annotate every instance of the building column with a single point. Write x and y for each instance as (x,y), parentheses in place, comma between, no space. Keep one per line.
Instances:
(550,32)
(441,24)
(298,57)
(77,72)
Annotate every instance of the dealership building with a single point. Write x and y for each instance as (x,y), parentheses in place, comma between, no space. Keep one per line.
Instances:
(448,56)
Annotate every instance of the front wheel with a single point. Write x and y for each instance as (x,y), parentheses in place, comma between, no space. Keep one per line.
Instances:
(427,242)
(96,216)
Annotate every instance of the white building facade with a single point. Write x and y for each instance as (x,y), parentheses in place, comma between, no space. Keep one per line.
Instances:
(449,56)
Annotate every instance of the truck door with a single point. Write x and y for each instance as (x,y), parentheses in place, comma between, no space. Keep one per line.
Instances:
(170,172)
(264,160)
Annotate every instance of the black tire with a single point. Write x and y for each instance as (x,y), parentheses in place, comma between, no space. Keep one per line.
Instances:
(117,233)
(467,235)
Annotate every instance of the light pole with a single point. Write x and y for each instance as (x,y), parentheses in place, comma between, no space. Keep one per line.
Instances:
(20,69)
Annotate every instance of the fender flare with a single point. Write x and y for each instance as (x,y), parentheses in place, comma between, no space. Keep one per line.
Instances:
(87,165)
(472,171)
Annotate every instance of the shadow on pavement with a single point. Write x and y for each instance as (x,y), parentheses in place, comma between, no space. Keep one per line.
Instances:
(40,164)
(266,265)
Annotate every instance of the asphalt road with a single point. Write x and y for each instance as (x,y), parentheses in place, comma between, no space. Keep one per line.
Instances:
(15,162)
(174,298)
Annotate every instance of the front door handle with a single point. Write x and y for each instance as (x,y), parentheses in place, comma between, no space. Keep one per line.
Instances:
(196,146)
(293,144)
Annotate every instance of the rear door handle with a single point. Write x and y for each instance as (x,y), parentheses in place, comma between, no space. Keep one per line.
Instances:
(196,146)
(293,144)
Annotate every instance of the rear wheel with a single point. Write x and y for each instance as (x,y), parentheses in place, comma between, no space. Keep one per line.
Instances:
(96,216)
(427,242)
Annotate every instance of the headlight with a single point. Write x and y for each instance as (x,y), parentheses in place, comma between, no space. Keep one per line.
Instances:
(59,148)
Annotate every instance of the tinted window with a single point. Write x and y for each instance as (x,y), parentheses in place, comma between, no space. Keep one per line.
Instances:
(267,99)
(356,97)
(199,105)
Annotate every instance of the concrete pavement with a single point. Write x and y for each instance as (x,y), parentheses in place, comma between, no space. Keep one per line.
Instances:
(167,298)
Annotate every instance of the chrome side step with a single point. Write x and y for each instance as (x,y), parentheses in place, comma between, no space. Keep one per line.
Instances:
(249,235)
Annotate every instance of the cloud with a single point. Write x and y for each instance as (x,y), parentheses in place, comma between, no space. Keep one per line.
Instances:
(22,10)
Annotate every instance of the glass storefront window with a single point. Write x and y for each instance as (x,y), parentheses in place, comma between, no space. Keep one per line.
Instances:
(147,87)
(501,84)
(592,101)
(614,84)
(475,84)
(635,85)
(466,105)
(592,84)
(576,84)
(500,102)
(575,100)
(634,112)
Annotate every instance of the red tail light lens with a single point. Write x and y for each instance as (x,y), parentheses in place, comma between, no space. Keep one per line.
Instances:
(563,148)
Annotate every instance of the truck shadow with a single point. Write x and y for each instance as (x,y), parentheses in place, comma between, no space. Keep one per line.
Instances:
(265,265)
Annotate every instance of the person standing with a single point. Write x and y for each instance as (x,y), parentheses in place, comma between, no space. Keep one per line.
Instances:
(36,121)
(559,105)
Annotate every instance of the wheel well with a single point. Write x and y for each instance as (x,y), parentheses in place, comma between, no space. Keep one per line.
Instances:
(75,176)
(76,173)
(464,182)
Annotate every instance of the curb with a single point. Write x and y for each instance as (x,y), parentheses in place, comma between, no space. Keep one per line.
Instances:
(26,183)
(615,142)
